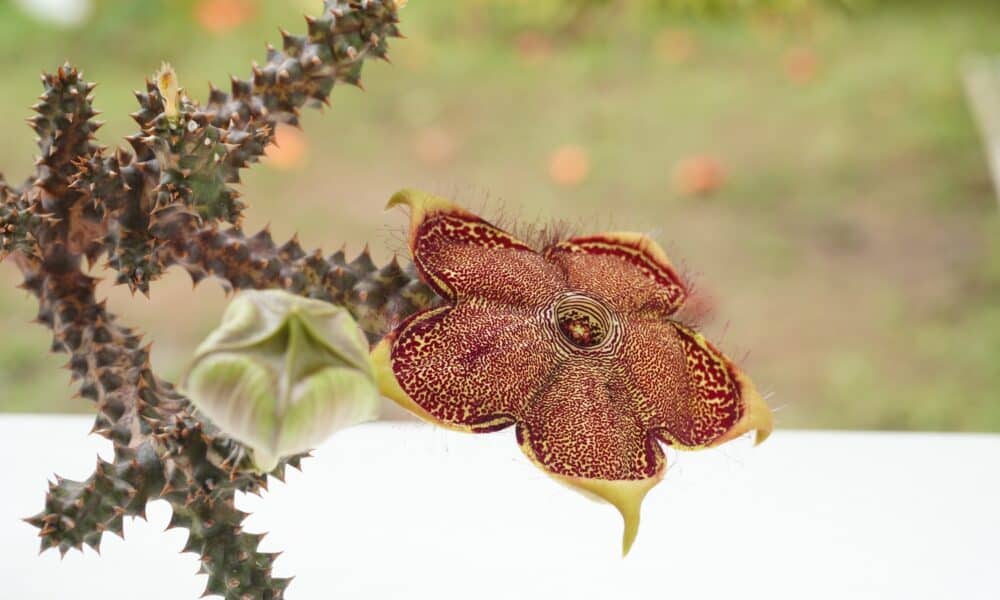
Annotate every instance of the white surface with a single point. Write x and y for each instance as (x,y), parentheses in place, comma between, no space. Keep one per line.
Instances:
(410,511)
(61,12)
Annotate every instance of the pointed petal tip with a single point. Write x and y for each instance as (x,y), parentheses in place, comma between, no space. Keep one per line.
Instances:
(421,203)
(628,536)
(404,196)
(759,417)
(625,495)
(763,424)
(762,434)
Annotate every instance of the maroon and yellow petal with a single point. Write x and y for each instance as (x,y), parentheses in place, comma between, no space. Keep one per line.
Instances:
(470,367)
(692,396)
(461,255)
(628,270)
(582,429)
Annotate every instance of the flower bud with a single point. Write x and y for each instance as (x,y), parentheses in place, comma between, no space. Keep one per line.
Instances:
(166,83)
(281,373)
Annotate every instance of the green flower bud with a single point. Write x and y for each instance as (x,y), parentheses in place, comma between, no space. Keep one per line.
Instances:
(281,373)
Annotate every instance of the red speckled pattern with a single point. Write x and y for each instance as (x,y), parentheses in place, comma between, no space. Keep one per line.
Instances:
(462,255)
(469,364)
(631,280)
(683,382)
(586,426)
(572,345)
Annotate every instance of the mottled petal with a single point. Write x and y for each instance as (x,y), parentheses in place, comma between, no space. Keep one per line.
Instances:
(462,256)
(471,367)
(582,429)
(692,396)
(629,270)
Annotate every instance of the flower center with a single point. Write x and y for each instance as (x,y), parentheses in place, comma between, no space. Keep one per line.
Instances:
(583,321)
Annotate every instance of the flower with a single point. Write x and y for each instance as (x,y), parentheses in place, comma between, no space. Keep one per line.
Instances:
(574,345)
(281,373)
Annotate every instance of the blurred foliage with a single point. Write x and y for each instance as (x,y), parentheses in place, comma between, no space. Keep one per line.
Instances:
(848,234)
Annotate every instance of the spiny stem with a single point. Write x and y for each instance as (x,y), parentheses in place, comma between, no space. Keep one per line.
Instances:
(160,203)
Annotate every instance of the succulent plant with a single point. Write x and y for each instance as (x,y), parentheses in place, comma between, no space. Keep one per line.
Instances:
(605,373)
(168,199)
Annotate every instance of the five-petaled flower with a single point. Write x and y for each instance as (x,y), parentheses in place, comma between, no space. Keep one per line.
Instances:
(573,344)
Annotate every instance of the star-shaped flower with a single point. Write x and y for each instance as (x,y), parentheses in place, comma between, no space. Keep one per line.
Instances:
(573,344)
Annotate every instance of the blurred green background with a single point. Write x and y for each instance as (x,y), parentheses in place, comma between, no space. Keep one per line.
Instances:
(813,165)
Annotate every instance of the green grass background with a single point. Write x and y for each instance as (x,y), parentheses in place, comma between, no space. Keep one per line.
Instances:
(852,256)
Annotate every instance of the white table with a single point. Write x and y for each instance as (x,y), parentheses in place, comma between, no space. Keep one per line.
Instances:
(410,511)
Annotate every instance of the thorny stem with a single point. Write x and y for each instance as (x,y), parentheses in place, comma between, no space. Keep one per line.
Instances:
(160,203)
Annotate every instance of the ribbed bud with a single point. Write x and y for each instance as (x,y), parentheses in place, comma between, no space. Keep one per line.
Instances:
(282,373)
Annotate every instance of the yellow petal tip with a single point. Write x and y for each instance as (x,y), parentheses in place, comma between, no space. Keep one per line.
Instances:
(404,196)
(762,434)
(757,418)
(419,202)
(626,496)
